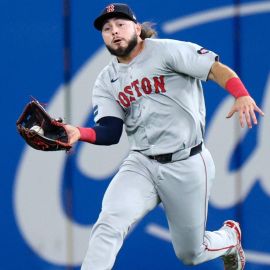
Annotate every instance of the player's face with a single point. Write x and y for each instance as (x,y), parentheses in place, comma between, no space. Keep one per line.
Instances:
(120,36)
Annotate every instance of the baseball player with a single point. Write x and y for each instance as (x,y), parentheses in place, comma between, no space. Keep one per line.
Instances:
(153,87)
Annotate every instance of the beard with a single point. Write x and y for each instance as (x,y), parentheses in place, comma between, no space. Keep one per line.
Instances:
(123,52)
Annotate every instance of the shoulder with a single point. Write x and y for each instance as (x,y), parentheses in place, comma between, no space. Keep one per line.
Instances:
(165,41)
(170,44)
(101,81)
(103,77)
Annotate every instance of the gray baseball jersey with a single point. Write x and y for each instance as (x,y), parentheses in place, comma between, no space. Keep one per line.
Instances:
(158,95)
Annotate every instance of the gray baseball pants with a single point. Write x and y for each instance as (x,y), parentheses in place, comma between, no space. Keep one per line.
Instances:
(140,185)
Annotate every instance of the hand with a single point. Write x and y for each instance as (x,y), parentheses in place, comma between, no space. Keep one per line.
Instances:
(246,108)
(73,133)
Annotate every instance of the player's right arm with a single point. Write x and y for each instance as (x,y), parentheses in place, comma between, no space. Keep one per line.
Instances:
(107,131)
(108,116)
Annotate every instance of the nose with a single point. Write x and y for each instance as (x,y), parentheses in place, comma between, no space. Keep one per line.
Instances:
(114,30)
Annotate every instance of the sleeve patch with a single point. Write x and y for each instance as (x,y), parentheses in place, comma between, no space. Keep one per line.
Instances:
(202,51)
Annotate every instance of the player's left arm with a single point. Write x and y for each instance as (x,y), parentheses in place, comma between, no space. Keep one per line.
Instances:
(244,103)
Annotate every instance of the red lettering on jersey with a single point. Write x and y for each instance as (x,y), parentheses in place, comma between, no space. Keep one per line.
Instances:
(124,100)
(159,84)
(127,96)
(146,86)
(136,87)
(128,91)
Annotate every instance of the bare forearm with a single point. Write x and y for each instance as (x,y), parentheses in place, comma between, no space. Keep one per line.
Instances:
(221,73)
(227,79)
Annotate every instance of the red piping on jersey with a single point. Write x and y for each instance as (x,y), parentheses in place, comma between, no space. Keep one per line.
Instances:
(205,198)
(205,203)
(218,249)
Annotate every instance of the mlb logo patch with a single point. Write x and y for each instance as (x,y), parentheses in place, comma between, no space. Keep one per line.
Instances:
(202,51)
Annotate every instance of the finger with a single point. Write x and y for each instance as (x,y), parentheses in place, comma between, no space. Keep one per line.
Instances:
(248,119)
(241,118)
(231,113)
(257,109)
(253,116)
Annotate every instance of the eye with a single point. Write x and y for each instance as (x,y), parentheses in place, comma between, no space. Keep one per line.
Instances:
(105,28)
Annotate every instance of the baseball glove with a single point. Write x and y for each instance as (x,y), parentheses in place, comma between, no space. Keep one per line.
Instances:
(40,130)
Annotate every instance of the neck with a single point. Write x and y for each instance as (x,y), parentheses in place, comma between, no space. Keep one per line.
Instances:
(137,50)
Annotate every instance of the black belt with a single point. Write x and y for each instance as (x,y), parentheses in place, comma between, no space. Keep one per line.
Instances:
(165,158)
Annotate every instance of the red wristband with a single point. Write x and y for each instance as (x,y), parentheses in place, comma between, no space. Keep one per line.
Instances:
(236,88)
(87,134)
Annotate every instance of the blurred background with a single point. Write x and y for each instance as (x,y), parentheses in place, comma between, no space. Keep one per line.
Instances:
(49,201)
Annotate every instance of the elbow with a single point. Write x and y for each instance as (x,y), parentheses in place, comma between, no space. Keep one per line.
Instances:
(115,140)
(115,136)
(111,140)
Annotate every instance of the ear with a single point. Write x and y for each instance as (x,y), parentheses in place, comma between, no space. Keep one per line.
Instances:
(138,28)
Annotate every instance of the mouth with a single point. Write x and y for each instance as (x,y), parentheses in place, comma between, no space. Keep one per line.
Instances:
(117,40)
